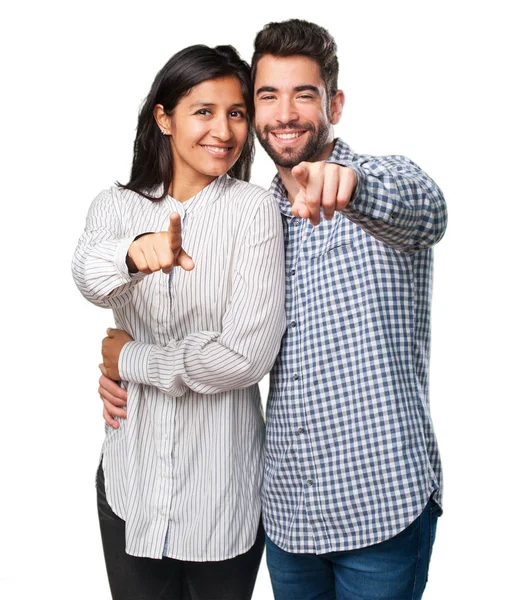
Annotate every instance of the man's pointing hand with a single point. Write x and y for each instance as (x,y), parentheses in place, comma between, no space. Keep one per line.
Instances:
(325,186)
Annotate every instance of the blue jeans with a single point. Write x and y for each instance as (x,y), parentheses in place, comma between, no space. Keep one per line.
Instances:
(396,569)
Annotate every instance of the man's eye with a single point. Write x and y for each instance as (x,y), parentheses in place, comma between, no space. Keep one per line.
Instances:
(267,97)
(306,97)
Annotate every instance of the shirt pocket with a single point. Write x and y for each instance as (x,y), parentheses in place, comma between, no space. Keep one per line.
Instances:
(329,250)
(329,238)
(334,263)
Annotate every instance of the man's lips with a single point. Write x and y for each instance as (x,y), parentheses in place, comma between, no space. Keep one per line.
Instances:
(287,138)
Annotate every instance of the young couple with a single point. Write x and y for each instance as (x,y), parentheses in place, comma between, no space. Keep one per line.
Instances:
(205,273)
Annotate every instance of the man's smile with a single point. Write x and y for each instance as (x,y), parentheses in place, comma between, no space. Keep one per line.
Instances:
(287,138)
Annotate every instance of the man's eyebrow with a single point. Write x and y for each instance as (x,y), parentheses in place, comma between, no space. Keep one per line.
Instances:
(266,88)
(298,88)
(307,88)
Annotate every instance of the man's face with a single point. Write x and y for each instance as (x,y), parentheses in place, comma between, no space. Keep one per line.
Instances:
(291,110)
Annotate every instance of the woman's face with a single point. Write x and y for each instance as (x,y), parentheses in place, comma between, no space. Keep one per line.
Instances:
(208,130)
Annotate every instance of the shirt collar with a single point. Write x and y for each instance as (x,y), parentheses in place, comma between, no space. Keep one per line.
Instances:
(204,197)
(341,152)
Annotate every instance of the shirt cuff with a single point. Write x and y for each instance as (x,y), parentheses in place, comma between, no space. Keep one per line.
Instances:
(133,362)
(121,263)
(157,366)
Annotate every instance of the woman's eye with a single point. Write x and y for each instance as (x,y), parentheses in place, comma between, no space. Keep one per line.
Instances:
(237,114)
(203,111)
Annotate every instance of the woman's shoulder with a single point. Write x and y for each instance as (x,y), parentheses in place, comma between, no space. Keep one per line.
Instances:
(118,195)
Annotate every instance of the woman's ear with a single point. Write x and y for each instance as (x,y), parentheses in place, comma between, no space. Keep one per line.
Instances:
(337,104)
(162,119)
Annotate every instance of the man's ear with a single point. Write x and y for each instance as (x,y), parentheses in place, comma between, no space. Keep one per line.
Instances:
(337,105)
(162,119)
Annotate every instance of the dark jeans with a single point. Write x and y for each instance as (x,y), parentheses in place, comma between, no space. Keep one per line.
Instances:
(396,569)
(135,578)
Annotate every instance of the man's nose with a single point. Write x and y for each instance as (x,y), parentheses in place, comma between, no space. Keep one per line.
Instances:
(286,112)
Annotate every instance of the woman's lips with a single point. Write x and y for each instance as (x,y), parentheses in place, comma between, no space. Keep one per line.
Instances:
(217,150)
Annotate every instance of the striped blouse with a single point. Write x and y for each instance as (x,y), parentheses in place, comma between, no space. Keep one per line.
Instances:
(184,469)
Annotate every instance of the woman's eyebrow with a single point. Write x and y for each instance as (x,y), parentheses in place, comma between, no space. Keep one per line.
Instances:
(206,104)
(201,104)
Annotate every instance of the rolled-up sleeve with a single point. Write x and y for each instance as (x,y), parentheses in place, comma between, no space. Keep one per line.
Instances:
(397,202)
(99,262)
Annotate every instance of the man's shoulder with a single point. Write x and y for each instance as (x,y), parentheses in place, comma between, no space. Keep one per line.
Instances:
(344,155)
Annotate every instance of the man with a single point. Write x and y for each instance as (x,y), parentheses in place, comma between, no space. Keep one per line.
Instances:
(352,485)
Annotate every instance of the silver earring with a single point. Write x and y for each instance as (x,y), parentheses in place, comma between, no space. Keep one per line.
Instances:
(164,132)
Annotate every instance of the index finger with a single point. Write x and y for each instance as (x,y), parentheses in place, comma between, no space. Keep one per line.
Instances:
(314,197)
(175,231)
(299,207)
(301,174)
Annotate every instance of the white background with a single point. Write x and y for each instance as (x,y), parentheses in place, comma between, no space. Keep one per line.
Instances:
(437,82)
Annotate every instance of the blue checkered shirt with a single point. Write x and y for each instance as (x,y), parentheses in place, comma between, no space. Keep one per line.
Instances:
(351,456)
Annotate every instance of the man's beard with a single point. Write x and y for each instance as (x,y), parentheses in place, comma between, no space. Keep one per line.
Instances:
(290,157)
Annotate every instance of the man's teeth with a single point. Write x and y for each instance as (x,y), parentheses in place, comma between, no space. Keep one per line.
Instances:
(287,136)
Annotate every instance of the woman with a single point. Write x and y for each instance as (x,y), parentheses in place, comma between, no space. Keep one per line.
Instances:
(178,485)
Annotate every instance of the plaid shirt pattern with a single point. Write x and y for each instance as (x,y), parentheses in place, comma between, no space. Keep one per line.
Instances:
(351,456)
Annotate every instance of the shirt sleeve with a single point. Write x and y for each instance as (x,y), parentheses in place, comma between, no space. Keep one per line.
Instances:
(397,203)
(99,262)
(210,362)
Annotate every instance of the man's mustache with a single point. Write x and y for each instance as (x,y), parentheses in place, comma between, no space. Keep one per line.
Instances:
(291,125)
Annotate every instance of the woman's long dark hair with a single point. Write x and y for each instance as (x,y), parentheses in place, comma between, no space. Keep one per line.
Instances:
(152,155)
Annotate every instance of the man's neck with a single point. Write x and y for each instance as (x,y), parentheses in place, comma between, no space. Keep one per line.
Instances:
(290,183)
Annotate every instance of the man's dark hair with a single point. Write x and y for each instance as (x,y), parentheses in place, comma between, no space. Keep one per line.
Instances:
(295,36)
(152,156)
